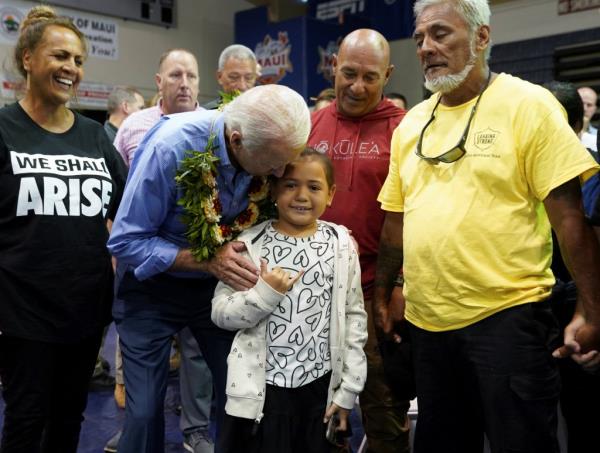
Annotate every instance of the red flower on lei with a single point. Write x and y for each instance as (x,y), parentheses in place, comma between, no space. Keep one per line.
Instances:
(202,208)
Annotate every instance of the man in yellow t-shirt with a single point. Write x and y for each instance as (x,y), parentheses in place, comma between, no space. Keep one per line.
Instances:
(478,174)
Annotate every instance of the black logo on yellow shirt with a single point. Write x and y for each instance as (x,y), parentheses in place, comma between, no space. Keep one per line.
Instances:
(485,139)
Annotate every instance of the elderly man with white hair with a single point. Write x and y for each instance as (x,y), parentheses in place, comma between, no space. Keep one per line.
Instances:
(162,286)
(237,72)
(479,173)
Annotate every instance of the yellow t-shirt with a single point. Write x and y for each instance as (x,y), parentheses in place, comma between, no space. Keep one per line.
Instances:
(476,236)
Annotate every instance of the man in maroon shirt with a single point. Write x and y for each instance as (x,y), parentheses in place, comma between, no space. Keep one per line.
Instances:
(355,131)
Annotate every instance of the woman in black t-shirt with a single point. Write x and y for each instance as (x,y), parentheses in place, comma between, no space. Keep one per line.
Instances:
(60,180)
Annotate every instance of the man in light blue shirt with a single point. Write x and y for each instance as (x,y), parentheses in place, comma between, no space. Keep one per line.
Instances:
(177,81)
(162,287)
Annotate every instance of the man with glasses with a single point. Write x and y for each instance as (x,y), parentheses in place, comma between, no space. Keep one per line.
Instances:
(478,174)
(237,72)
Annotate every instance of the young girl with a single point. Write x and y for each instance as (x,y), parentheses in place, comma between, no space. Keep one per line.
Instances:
(297,358)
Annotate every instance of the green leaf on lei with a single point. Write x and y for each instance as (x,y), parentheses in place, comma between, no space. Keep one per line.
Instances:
(196,178)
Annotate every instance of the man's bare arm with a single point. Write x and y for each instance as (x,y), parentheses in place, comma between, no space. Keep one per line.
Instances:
(581,253)
(389,263)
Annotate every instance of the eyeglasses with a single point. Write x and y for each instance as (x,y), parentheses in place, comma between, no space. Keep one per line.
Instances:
(457,151)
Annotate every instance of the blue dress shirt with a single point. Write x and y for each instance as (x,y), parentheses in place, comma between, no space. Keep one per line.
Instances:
(148,232)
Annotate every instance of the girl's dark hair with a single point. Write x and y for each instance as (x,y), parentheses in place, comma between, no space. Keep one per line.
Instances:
(312,154)
(32,30)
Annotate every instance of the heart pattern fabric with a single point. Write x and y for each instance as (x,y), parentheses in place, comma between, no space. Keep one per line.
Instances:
(297,330)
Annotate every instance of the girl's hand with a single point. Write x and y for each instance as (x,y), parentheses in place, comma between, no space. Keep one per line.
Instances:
(278,279)
(343,414)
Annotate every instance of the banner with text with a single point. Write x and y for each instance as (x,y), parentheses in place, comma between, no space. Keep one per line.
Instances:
(102,34)
(392,18)
(297,52)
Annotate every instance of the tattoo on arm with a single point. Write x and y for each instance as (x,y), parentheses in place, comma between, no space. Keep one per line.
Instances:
(389,263)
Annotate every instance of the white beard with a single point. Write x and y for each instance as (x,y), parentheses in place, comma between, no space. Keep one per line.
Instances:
(447,83)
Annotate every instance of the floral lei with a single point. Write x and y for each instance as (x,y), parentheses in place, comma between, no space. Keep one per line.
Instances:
(202,208)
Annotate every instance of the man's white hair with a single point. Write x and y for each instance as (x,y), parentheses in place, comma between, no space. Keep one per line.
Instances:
(474,12)
(238,52)
(269,113)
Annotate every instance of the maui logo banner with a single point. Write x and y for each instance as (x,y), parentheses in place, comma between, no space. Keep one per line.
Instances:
(70,185)
(326,54)
(273,55)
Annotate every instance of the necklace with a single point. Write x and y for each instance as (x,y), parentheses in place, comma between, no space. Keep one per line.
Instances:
(197,177)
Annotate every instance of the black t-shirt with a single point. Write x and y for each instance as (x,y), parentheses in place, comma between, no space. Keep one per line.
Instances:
(56,192)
